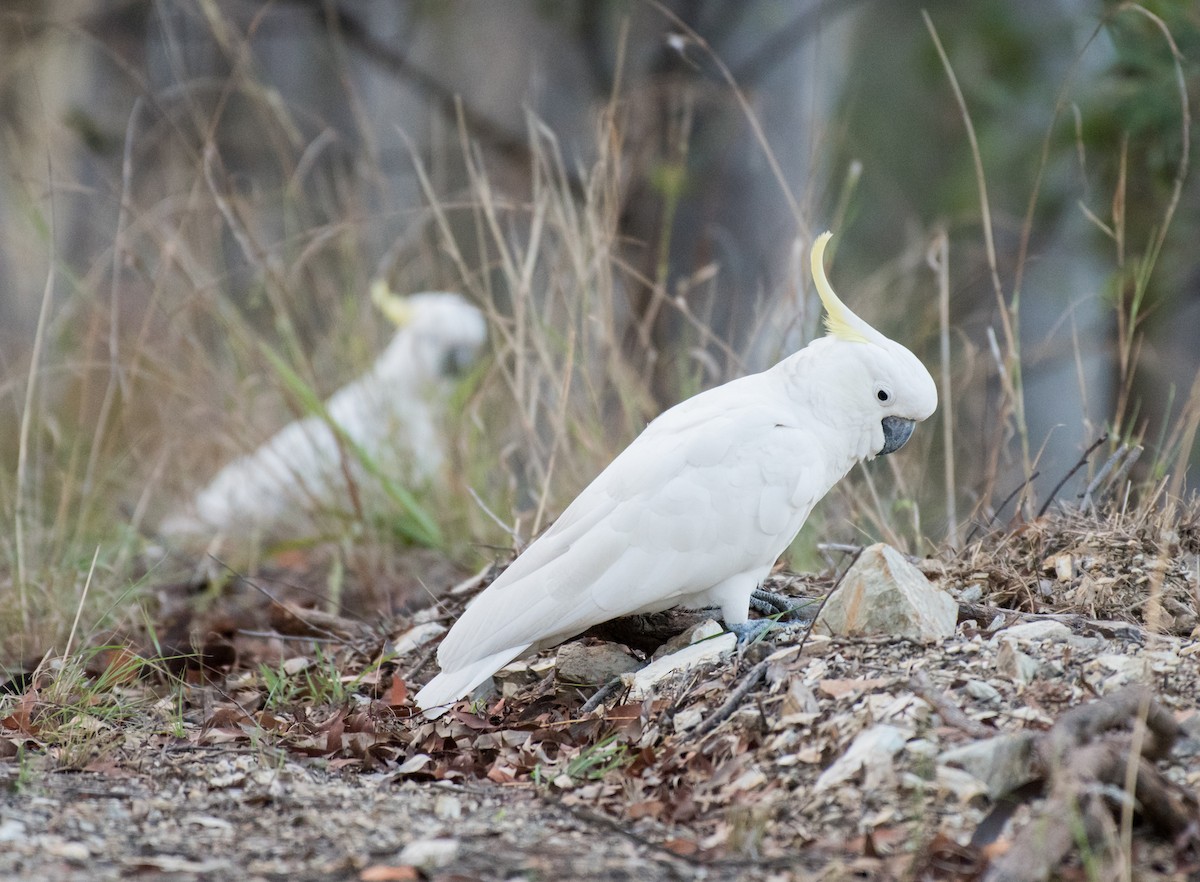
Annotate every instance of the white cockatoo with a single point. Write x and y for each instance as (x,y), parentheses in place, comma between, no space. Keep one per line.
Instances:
(698,508)
(391,413)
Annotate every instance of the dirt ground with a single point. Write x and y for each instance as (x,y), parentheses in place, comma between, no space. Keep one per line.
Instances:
(811,757)
(227,814)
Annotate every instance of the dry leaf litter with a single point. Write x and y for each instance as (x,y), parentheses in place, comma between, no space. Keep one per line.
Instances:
(935,755)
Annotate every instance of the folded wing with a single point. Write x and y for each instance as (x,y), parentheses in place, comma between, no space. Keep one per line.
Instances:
(715,487)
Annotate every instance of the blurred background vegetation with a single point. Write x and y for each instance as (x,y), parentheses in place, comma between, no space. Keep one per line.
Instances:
(629,190)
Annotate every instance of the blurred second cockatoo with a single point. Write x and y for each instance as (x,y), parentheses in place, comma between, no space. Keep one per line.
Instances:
(391,414)
(698,508)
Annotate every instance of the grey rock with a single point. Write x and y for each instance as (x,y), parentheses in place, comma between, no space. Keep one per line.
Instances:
(1016,665)
(593,664)
(1003,763)
(1115,670)
(884,594)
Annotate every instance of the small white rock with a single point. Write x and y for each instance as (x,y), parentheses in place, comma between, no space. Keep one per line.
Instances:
(696,633)
(1118,670)
(430,853)
(871,753)
(76,852)
(414,763)
(1038,632)
(447,808)
(11,830)
(921,747)
(965,786)
(705,652)
(982,691)
(688,718)
(973,593)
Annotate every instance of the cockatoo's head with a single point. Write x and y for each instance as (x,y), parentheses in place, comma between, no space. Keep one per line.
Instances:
(439,335)
(876,381)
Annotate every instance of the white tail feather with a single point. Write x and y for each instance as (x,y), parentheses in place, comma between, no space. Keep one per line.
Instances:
(449,686)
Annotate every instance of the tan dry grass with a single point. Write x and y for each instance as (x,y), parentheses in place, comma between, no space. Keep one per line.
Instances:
(150,401)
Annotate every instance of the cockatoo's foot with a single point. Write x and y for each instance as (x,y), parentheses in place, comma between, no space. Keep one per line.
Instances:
(748,632)
(789,609)
(769,603)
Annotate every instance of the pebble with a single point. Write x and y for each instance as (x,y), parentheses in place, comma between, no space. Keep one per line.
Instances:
(430,853)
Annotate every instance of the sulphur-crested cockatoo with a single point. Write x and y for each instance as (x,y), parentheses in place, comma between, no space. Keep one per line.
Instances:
(391,413)
(698,508)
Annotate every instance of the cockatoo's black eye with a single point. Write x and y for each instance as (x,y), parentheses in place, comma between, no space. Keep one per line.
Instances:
(882,393)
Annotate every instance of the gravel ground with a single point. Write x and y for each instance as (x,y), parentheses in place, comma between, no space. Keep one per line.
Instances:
(845,758)
(255,817)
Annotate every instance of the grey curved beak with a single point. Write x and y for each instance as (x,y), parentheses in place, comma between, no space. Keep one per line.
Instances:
(896,431)
(457,360)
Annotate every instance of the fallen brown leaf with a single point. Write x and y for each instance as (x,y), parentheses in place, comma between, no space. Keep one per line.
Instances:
(680,846)
(397,692)
(842,688)
(385,873)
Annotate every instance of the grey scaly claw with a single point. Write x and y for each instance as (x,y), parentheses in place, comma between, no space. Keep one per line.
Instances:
(788,609)
(749,632)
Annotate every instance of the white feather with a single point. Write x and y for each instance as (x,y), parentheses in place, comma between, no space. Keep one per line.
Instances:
(392,412)
(698,508)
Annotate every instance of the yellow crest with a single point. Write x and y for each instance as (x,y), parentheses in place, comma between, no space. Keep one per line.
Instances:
(395,307)
(840,322)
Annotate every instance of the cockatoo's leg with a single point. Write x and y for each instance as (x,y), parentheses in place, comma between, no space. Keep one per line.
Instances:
(733,596)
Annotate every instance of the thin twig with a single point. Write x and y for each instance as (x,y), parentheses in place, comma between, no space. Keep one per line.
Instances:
(518,542)
(725,711)
(787,39)
(1101,474)
(1118,455)
(1007,499)
(939,261)
(843,547)
(1082,462)
(289,608)
(747,110)
(1007,311)
(79,607)
(295,638)
(35,360)
(1134,454)
(421,662)
(119,257)
(951,713)
(602,695)
(825,600)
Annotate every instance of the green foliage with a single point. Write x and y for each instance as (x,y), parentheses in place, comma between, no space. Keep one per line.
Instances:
(597,760)
(318,681)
